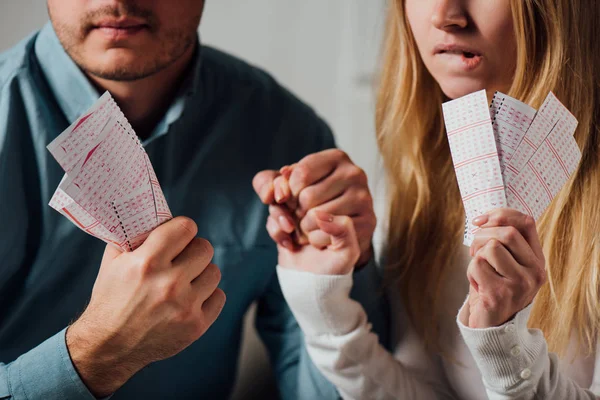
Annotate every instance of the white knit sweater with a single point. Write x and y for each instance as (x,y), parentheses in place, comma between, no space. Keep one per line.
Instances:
(505,362)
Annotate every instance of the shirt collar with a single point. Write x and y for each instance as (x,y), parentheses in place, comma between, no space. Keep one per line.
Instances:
(75,94)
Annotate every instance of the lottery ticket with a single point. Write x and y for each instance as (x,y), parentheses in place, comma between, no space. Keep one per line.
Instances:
(513,156)
(109,189)
(475,157)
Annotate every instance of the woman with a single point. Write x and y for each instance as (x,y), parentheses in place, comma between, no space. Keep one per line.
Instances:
(438,50)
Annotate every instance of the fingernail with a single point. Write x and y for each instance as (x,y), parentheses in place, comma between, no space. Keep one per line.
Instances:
(286,224)
(482,219)
(284,170)
(287,244)
(278,194)
(324,216)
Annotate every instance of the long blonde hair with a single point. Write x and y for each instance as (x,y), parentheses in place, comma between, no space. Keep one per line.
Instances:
(557,46)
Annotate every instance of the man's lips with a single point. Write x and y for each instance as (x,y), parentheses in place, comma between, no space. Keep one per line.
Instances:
(120,29)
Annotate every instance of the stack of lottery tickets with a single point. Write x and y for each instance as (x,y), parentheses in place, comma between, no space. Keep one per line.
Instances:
(109,189)
(508,154)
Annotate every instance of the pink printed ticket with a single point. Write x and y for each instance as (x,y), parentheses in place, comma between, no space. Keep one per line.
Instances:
(109,189)
(509,155)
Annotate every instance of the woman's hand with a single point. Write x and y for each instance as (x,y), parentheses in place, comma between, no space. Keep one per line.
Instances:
(507,268)
(327,181)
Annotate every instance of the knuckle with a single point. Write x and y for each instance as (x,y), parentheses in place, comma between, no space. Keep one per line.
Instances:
(301,173)
(511,234)
(363,197)
(213,273)
(501,220)
(188,224)
(529,222)
(167,290)
(205,246)
(307,197)
(145,265)
(340,154)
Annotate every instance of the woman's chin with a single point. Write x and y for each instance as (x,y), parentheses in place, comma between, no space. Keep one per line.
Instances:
(455,88)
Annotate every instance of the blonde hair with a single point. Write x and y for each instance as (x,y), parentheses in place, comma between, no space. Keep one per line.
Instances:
(556,50)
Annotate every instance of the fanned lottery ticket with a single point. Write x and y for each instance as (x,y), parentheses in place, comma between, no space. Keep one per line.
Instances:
(545,121)
(519,159)
(511,120)
(475,157)
(109,189)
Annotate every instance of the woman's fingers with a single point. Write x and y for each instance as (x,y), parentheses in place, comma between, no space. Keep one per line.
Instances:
(509,237)
(278,235)
(505,217)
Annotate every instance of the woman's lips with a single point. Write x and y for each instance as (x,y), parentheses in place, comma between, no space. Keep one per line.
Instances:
(464,60)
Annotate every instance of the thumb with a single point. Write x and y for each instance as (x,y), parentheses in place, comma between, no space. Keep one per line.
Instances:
(341,229)
(110,253)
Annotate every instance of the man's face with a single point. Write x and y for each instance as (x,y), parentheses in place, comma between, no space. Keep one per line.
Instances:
(125,40)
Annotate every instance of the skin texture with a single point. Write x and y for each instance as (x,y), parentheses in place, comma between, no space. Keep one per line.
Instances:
(482,26)
(327,181)
(168,30)
(467,46)
(138,50)
(152,303)
(146,305)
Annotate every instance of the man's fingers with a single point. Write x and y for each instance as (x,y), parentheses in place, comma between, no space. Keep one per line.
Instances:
(213,306)
(322,192)
(195,258)
(314,168)
(169,239)
(278,235)
(263,185)
(206,283)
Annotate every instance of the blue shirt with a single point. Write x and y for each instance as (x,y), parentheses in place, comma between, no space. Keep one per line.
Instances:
(229,121)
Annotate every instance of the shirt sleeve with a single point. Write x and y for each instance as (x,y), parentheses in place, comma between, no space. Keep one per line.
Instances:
(515,363)
(45,372)
(339,339)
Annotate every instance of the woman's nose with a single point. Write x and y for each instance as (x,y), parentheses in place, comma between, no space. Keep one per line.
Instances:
(449,15)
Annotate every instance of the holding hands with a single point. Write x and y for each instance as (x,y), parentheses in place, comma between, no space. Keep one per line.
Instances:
(320,213)
(507,268)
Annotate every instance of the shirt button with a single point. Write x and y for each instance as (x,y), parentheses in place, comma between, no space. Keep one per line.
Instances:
(526,373)
(515,351)
(510,328)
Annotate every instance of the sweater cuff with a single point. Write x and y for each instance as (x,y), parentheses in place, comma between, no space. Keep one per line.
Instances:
(509,354)
(320,303)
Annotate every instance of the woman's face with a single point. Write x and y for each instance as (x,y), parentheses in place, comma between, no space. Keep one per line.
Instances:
(467,45)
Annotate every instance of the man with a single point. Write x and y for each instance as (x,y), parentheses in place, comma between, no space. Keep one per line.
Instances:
(209,123)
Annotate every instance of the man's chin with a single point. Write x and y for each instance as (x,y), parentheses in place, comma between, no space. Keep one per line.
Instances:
(120,67)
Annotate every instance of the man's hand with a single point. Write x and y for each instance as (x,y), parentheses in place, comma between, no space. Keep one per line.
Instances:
(146,306)
(327,181)
(507,269)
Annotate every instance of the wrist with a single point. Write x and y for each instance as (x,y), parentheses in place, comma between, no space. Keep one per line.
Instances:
(100,362)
